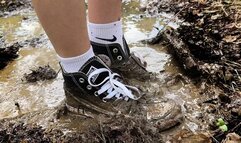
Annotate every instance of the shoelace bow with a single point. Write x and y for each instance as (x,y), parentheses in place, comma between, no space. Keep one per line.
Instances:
(113,87)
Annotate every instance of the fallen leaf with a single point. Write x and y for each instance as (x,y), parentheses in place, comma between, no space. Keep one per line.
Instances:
(3,2)
(232,138)
(214,17)
(230,38)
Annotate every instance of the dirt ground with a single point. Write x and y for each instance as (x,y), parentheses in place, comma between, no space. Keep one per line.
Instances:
(116,129)
(8,54)
(12,5)
(207,46)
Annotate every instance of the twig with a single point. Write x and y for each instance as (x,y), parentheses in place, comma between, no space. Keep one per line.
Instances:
(233,63)
(173,17)
(102,133)
(233,129)
(213,137)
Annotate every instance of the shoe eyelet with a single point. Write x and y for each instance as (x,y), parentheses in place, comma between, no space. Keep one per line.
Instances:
(89,87)
(115,50)
(119,58)
(92,79)
(96,93)
(81,80)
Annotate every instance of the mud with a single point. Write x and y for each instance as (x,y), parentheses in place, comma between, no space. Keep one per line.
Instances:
(207,46)
(19,132)
(36,104)
(111,130)
(12,5)
(209,41)
(185,136)
(125,129)
(41,73)
(8,54)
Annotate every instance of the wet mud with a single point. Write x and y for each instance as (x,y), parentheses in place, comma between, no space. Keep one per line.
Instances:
(207,46)
(8,54)
(118,129)
(125,129)
(41,73)
(34,111)
(12,5)
(19,132)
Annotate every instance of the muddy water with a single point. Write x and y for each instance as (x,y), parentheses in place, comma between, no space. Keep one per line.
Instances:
(38,101)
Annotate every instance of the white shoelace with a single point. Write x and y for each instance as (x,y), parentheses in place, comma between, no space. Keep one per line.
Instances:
(113,87)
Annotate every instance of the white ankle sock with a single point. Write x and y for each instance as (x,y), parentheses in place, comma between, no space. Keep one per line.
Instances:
(106,33)
(73,64)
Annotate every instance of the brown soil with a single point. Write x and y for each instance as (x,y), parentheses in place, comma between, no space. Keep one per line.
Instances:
(115,129)
(11,5)
(208,45)
(19,132)
(8,54)
(41,73)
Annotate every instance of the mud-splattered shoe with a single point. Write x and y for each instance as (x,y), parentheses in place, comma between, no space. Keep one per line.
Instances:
(121,61)
(162,112)
(95,90)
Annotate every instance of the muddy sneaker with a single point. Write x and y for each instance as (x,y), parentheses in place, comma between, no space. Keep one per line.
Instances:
(162,112)
(123,62)
(96,89)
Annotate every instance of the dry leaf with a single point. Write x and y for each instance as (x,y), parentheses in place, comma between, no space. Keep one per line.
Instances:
(3,2)
(230,38)
(232,138)
(214,17)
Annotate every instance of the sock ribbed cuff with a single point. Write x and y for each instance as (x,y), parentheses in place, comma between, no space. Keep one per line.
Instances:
(73,64)
(106,25)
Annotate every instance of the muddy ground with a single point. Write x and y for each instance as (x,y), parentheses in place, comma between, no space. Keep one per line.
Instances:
(209,57)
(207,46)
(30,99)
(7,6)
(8,54)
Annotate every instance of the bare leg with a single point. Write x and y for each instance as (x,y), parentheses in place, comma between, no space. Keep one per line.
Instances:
(104,11)
(65,24)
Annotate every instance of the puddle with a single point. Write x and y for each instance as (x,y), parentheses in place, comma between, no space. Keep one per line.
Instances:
(31,97)
(42,97)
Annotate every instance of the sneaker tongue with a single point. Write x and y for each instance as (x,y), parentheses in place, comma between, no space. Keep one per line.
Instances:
(90,66)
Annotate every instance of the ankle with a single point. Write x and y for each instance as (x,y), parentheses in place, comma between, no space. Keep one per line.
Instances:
(73,64)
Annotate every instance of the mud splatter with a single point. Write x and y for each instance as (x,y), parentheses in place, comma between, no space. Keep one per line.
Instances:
(11,5)
(126,129)
(207,45)
(19,132)
(41,73)
(8,54)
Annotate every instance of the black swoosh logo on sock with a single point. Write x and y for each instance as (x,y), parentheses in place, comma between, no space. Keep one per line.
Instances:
(109,40)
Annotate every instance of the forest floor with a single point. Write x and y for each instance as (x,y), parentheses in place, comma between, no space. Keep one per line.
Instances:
(207,46)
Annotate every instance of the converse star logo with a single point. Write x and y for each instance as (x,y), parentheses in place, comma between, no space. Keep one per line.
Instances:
(92,68)
(109,40)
